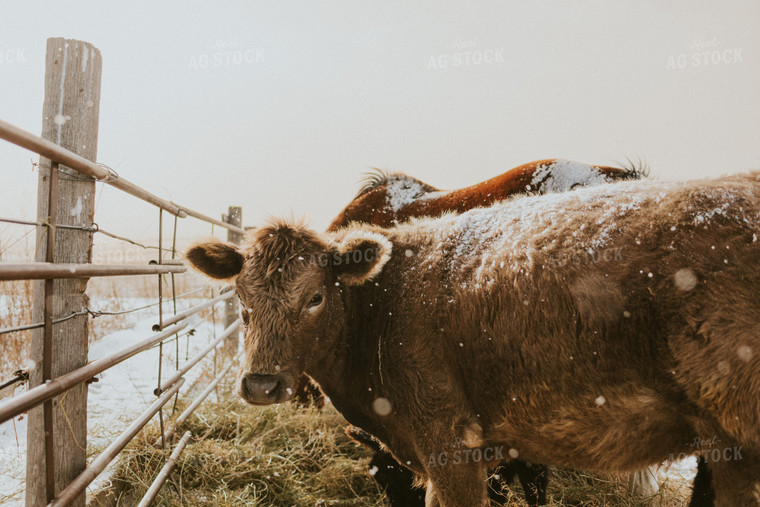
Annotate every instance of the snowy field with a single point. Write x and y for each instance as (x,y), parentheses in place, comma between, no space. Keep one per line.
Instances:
(123,392)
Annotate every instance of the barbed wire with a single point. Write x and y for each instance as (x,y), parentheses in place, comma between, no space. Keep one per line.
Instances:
(131,241)
(18,376)
(93,228)
(94,313)
(98,313)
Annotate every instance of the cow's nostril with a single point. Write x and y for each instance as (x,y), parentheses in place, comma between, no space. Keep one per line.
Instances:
(245,390)
(266,389)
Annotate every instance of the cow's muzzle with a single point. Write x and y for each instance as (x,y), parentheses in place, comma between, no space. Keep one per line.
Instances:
(266,389)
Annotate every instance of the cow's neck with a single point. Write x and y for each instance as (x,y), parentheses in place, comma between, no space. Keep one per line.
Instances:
(349,374)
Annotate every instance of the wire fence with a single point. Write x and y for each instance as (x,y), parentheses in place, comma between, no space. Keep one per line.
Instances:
(171,325)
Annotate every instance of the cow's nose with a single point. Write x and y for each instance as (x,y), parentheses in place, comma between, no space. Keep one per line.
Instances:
(266,389)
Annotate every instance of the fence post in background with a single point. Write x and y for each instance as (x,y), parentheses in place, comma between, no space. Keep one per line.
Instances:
(234,216)
(70,116)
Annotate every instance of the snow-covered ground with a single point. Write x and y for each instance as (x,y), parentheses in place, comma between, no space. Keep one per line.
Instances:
(123,392)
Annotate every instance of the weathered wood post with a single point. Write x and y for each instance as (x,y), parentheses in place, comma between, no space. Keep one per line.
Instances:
(70,115)
(234,216)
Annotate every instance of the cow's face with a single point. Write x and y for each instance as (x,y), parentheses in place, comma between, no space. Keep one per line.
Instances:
(290,282)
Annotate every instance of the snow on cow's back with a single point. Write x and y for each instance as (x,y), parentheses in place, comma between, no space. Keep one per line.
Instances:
(563,175)
(482,242)
(553,177)
(402,191)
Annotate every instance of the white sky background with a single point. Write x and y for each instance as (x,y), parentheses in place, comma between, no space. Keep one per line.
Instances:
(345,86)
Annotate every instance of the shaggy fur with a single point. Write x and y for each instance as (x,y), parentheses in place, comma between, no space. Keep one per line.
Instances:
(613,363)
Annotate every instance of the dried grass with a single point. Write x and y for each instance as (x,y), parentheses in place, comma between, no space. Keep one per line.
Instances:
(244,455)
(285,456)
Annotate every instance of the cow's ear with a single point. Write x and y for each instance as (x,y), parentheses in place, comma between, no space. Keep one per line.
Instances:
(216,259)
(360,256)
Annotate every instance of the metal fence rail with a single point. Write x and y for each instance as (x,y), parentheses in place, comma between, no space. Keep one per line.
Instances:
(47,149)
(200,355)
(96,313)
(45,270)
(195,404)
(191,311)
(33,397)
(163,474)
(48,269)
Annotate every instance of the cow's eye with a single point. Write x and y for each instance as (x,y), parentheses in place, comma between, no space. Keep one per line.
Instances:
(316,300)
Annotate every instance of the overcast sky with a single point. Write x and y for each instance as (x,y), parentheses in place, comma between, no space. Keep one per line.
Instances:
(281,106)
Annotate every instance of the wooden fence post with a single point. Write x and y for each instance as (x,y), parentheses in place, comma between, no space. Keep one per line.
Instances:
(70,116)
(234,216)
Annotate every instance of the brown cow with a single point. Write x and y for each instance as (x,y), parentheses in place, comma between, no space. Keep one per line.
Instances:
(598,329)
(388,199)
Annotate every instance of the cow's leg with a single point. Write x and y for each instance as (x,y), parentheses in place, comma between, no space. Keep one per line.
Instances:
(534,480)
(456,485)
(502,476)
(702,494)
(735,476)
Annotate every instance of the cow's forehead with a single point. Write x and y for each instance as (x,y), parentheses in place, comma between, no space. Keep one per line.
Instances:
(258,282)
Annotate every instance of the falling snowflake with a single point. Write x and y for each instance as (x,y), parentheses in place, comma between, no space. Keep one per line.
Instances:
(685,279)
(382,406)
(744,353)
